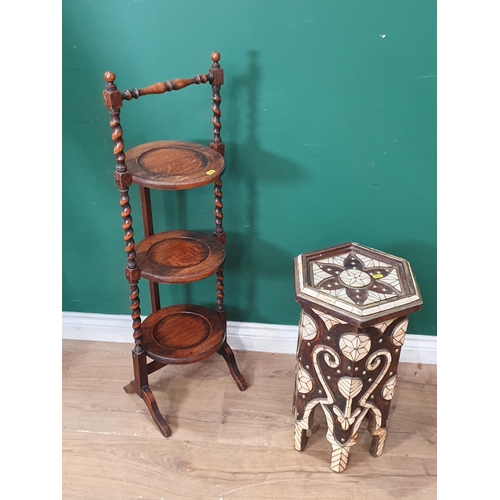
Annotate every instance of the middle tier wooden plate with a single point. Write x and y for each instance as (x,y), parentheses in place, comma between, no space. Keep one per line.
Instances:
(174,165)
(179,256)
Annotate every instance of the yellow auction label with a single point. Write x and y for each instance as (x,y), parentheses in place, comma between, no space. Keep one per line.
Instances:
(210,172)
(377,276)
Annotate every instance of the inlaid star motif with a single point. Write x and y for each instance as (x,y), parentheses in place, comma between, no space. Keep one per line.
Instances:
(356,279)
(354,346)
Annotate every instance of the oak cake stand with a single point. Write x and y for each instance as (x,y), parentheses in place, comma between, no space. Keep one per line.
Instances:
(185,333)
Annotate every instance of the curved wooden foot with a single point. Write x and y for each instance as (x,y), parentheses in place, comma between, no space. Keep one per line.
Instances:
(227,353)
(150,401)
(130,388)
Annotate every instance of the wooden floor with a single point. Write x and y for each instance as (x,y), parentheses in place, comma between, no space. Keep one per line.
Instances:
(228,444)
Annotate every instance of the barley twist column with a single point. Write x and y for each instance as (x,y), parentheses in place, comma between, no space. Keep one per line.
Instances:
(131,270)
(220,290)
(216,75)
(123,179)
(219,231)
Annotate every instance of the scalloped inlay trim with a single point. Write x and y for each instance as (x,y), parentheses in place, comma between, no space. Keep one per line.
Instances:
(304,381)
(308,328)
(389,388)
(399,333)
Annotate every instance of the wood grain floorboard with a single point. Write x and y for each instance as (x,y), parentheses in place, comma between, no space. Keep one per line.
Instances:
(228,444)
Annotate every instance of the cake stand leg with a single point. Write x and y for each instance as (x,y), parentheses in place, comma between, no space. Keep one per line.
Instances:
(140,386)
(226,352)
(150,401)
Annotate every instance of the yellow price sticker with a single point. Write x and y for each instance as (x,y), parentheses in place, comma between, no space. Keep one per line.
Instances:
(377,276)
(210,172)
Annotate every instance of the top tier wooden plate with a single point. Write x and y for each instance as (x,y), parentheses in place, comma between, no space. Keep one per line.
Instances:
(174,165)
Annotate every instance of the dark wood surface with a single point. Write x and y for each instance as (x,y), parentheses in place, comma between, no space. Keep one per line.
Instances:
(183,334)
(174,165)
(147,219)
(179,256)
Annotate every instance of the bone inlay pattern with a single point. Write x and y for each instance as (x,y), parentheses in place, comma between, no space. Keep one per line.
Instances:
(359,282)
(346,362)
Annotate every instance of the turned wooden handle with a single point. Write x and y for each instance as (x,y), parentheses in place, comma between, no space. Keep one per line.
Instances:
(161,87)
(215,77)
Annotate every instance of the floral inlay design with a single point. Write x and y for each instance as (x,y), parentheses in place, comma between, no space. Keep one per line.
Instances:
(350,387)
(355,346)
(357,278)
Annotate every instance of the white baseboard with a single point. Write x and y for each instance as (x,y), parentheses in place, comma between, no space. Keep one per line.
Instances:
(241,336)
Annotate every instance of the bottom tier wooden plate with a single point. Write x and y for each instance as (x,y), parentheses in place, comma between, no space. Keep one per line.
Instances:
(182,334)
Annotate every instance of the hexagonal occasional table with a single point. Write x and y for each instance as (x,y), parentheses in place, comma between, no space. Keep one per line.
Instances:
(355,305)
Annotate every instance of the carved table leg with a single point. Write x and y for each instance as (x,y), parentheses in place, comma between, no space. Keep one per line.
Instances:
(303,428)
(378,441)
(226,352)
(378,432)
(340,456)
(301,436)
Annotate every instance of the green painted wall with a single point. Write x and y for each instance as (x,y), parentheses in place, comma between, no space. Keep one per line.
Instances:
(329,120)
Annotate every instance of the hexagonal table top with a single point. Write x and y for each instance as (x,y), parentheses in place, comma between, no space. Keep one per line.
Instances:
(356,283)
